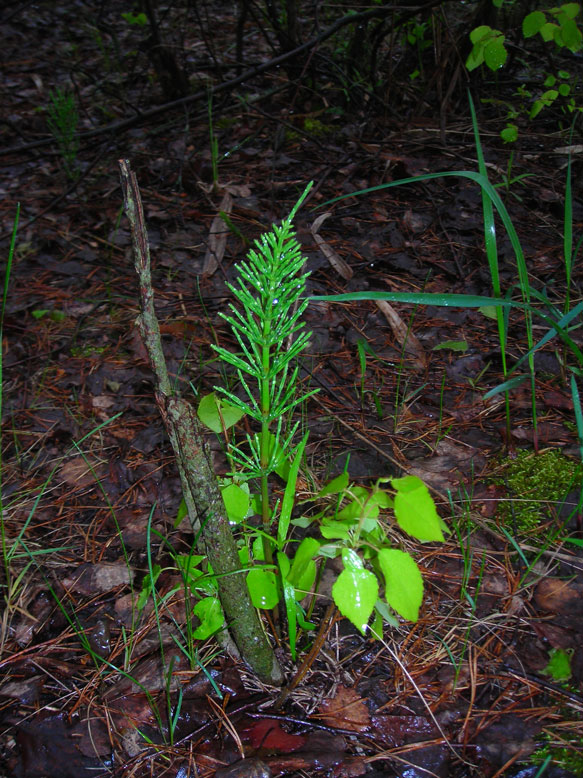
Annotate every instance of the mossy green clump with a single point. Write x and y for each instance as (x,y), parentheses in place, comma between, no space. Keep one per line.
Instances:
(569,757)
(316,127)
(534,481)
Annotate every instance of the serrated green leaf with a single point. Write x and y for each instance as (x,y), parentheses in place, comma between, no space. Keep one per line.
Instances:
(382,499)
(571,34)
(548,30)
(532,23)
(481,33)
(330,550)
(333,530)
(369,525)
(139,19)
(415,510)
(257,548)
(195,578)
(262,585)
(355,592)
(546,99)
(350,512)
(403,582)
(351,559)
(475,57)
(357,509)
(571,10)
(302,521)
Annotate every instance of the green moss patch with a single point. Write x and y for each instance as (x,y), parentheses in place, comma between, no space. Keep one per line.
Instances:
(534,481)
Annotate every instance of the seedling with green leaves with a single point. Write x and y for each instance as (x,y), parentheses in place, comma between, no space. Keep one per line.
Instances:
(354,530)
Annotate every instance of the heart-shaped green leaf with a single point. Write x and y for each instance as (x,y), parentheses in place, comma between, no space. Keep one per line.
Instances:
(218,414)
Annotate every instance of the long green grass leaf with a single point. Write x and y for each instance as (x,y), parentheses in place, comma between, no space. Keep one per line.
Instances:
(492,255)
(578,412)
(421,298)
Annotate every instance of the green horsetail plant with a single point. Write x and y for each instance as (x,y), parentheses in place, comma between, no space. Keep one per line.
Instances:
(267,326)
(63,120)
(269,332)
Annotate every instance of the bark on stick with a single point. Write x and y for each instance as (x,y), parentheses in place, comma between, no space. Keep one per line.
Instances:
(199,483)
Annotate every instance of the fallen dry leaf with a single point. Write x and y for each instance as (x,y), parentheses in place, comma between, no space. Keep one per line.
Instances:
(90,579)
(346,710)
(269,735)
(245,768)
(340,266)
(82,472)
(217,240)
(557,596)
(403,334)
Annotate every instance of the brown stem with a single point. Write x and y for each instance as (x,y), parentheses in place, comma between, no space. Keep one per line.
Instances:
(200,487)
(325,627)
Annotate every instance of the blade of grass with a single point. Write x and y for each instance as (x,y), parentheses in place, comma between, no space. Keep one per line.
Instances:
(568,226)
(5,558)
(578,413)
(421,298)
(492,257)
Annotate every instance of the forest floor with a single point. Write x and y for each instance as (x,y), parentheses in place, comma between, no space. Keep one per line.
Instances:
(489,681)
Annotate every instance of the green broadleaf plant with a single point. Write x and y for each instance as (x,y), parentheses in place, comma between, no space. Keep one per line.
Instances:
(355,532)
(558,25)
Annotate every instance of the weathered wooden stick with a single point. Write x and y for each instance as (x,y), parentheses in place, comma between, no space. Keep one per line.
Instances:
(200,487)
